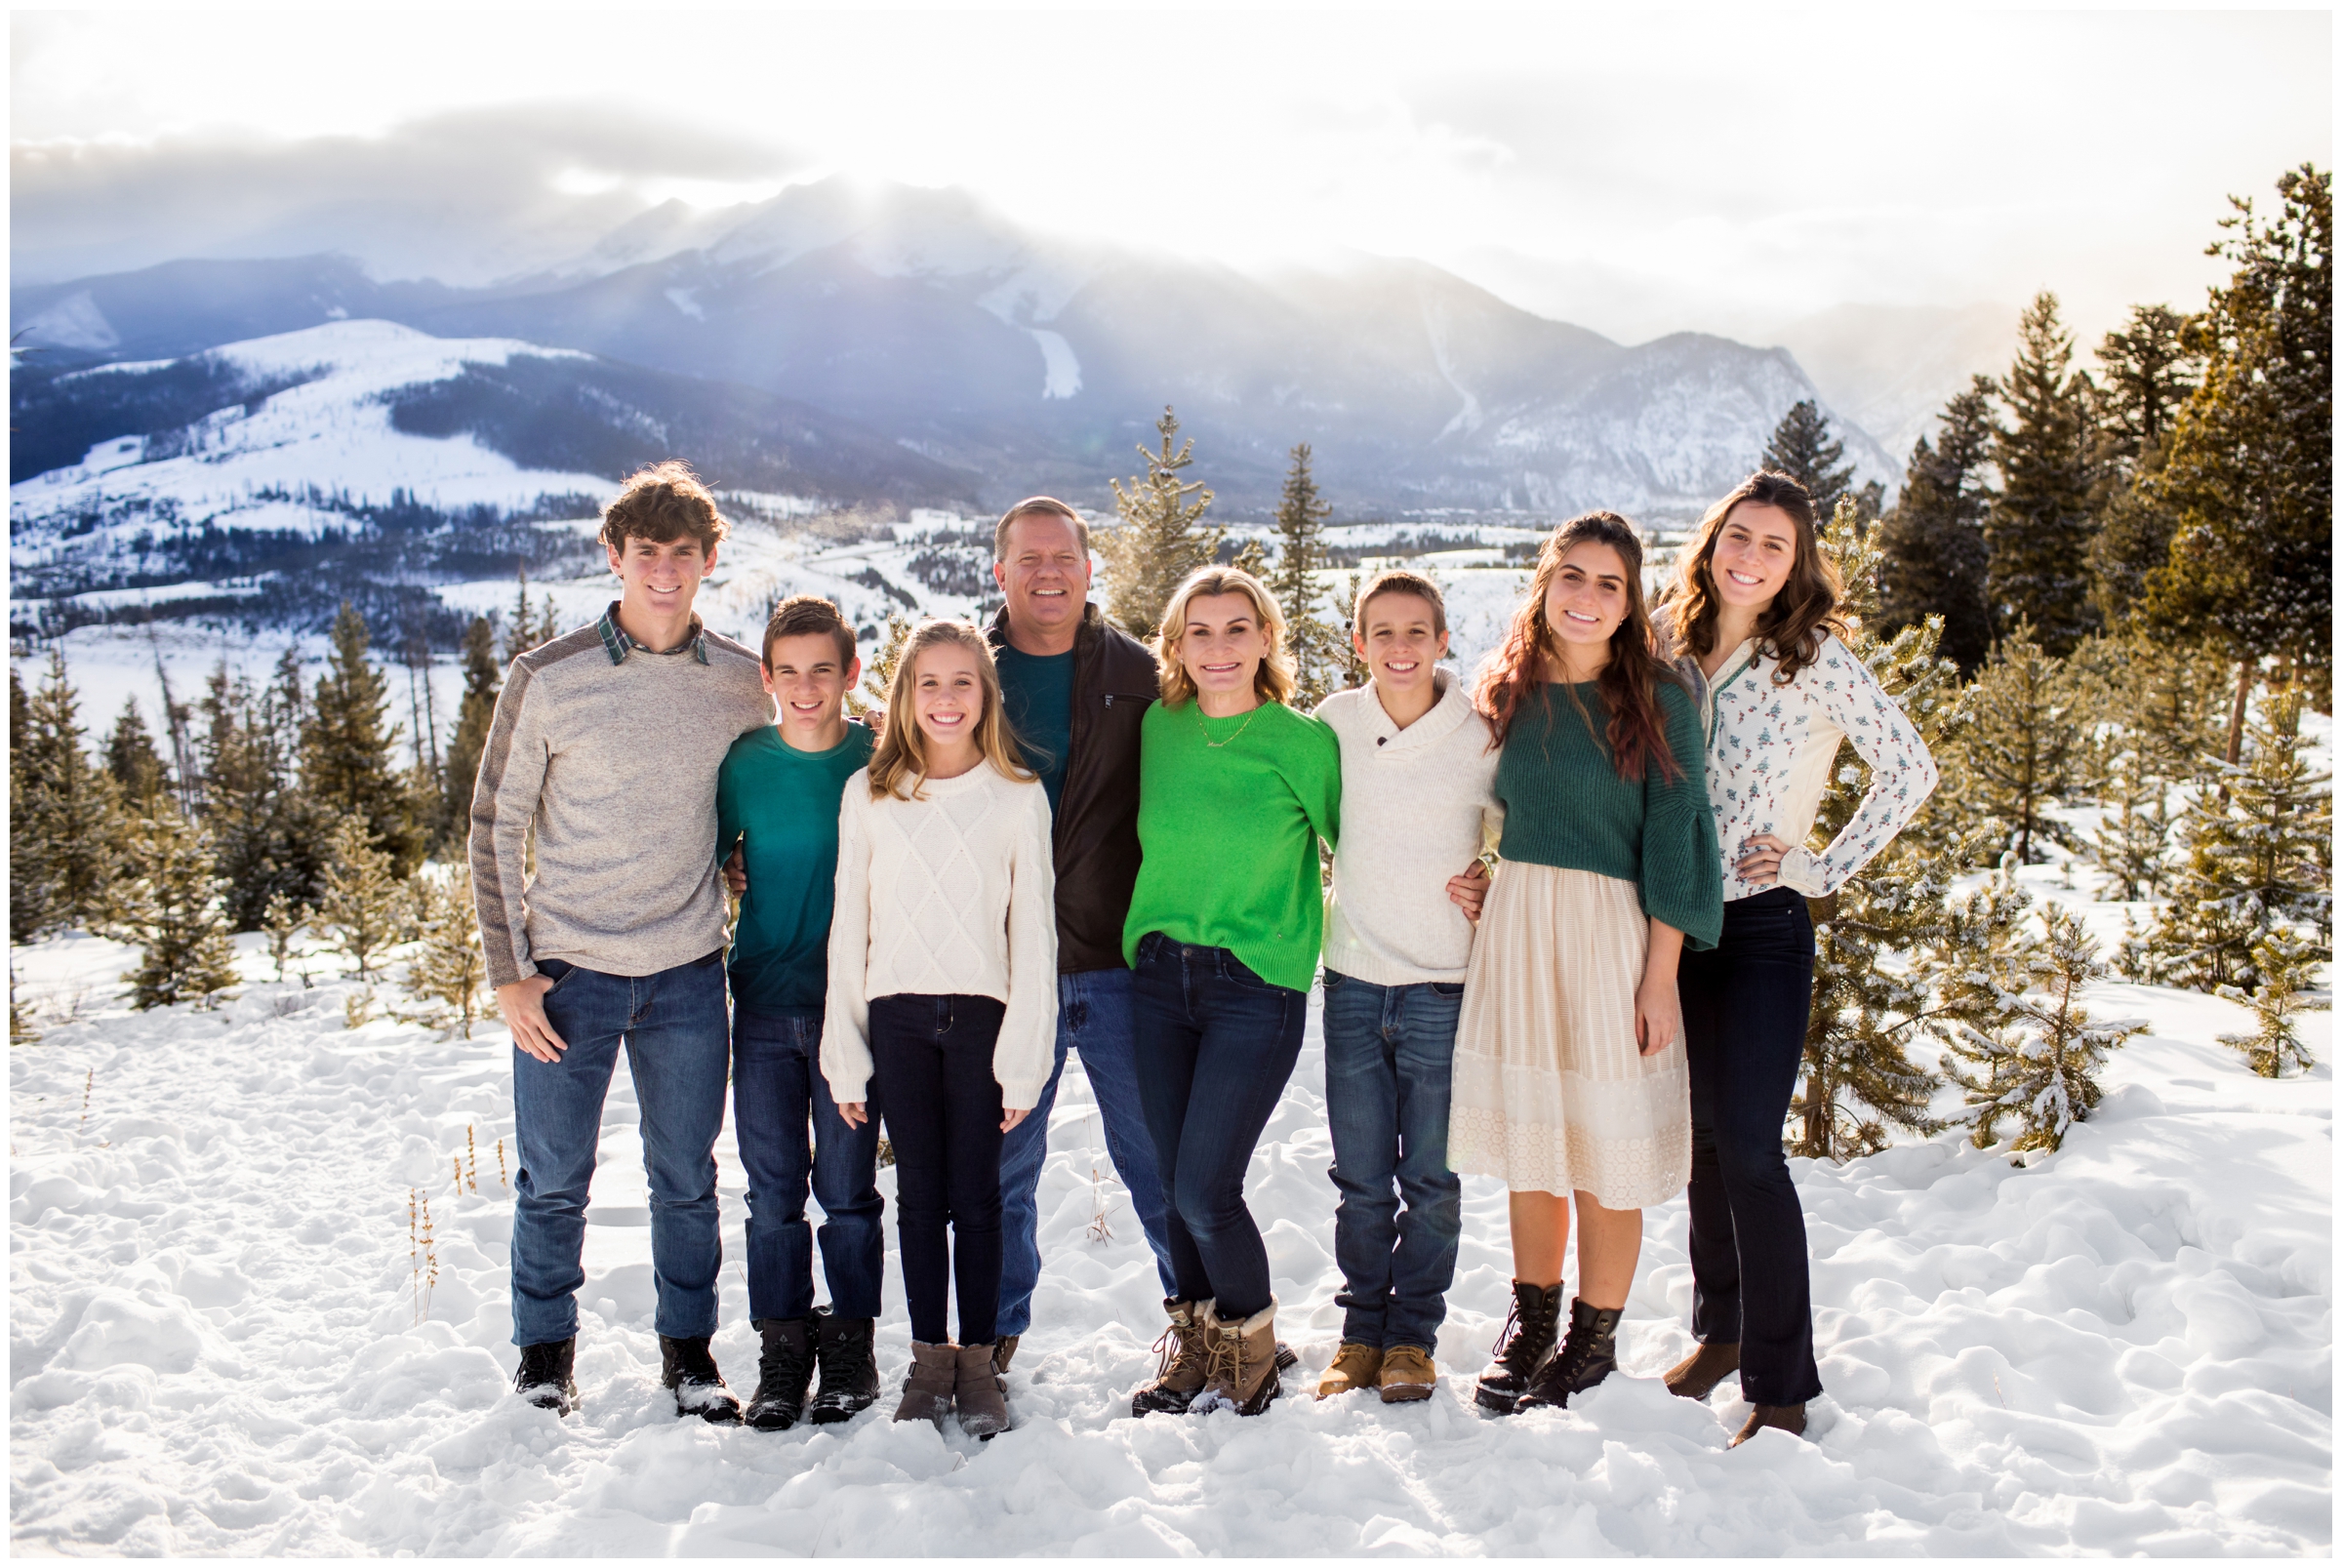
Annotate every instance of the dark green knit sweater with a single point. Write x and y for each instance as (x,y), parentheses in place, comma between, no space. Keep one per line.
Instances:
(1566,806)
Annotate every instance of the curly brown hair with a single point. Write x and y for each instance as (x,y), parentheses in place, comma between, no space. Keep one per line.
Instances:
(1629,683)
(1801,615)
(662,504)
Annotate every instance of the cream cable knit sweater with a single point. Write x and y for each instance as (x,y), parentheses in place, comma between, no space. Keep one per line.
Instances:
(949,896)
(1417,805)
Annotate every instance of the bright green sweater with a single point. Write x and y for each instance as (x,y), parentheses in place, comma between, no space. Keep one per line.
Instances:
(1229,836)
(1566,806)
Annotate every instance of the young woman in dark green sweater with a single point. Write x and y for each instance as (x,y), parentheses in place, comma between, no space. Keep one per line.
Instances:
(1235,789)
(1569,1077)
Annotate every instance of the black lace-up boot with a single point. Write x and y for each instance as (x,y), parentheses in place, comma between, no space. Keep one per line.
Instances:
(545,1380)
(1587,1356)
(849,1366)
(688,1368)
(1522,1346)
(783,1372)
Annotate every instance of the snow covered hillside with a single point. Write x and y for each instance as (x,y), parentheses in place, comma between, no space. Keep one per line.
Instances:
(218,1343)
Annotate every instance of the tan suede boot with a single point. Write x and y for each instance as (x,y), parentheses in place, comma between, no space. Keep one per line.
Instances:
(1355,1366)
(1790,1418)
(1241,1374)
(1696,1376)
(1408,1375)
(1183,1347)
(928,1387)
(983,1410)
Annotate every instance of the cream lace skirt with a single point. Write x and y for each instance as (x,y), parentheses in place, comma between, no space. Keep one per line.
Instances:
(1550,1091)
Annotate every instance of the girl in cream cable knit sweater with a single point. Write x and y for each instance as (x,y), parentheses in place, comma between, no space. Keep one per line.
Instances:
(942,1010)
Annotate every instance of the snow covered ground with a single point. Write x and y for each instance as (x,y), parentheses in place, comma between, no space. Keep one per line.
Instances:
(214,1343)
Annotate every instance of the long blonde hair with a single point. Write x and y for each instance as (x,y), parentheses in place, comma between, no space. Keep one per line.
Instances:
(901,751)
(1276,681)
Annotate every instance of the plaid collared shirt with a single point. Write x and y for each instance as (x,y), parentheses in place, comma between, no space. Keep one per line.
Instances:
(615,639)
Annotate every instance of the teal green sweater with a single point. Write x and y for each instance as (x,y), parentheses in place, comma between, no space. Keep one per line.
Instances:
(1229,836)
(1566,806)
(784,803)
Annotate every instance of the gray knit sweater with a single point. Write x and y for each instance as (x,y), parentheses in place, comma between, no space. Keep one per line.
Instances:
(611,753)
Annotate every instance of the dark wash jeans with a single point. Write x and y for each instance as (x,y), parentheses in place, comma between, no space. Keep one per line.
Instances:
(1745,1006)
(678,1043)
(933,1058)
(1389,1063)
(1216,1046)
(1093,1017)
(792,1139)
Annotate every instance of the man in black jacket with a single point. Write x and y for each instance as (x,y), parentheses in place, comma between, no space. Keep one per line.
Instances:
(1073,689)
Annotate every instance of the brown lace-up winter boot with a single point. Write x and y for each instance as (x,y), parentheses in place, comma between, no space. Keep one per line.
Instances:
(1696,1376)
(928,1389)
(1355,1366)
(1180,1377)
(1521,1347)
(1408,1375)
(1242,1363)
(983,1410)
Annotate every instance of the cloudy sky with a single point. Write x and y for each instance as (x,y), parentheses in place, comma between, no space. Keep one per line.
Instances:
(1637,174)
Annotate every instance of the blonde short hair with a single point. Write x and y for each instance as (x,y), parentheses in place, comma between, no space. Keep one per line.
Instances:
(1276,681)
(901,751)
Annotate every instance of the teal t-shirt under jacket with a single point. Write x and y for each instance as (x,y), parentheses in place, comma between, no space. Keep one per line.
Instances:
(781,805)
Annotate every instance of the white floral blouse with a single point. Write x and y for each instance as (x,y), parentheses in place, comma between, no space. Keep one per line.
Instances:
(1771,748)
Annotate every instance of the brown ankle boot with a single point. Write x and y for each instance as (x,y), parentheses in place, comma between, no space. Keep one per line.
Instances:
(976,1394)
(1242,1372)
(1696,1376)
(927,1389)
(1355,1366)
(1183,1347)
(1790,1418)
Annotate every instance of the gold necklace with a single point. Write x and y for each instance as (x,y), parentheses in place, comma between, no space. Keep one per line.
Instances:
(1231,739)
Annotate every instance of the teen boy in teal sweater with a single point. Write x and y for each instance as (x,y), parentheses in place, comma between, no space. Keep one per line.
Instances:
(776,801)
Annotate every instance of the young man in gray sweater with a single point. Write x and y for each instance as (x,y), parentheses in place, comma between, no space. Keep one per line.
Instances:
(606,742)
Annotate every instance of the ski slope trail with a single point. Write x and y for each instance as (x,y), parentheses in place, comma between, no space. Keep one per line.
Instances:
(218,1342)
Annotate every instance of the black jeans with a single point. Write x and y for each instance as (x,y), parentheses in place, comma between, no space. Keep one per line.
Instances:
(1216,1044)
(1745,1006)
(933,1057)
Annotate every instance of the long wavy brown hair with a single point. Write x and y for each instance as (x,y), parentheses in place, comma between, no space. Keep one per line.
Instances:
(1629,682)
(901,757)
(1805,610)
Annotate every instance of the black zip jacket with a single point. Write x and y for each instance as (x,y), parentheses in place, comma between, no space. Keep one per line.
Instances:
(1095,837)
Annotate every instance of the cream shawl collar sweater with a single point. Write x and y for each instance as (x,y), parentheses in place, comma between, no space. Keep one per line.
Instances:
(1417,805)
(949,896)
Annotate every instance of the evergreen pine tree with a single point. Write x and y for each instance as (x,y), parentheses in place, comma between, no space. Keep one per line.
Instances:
(2039,528)
(1932,544)
(451,969)
(482,682)
(133,761)
(2019,753)
(2134,831)
(2249,476)
(2148,370)
(366,905)
(170,905)
(2259,860)
(878,672)
(346,749)
(65,844)
(532,625)
(282,920)
(2022,1045)
(1318,647)
(1162,535)
(2284,963)
(1801,448)
(1867,1009)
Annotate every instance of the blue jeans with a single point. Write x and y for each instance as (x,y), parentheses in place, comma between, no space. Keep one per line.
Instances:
(1390,1059)
(1216,1044)
(1745,1007)
(677,1042)
(779,1098)
(1093,1015)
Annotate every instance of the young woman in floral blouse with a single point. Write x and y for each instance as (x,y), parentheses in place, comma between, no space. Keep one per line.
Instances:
(1755,612)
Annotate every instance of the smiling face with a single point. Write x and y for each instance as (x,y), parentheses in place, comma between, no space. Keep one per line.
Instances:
(1756,551)
(947,697)
(1587,600)
(1045,575)
(1223,643)
(806,677)
(660,579)
(1399,640)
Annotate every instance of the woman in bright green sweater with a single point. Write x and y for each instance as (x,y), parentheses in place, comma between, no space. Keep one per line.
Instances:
(1569,1077)
(1234,791)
